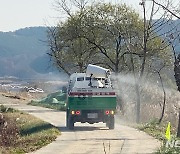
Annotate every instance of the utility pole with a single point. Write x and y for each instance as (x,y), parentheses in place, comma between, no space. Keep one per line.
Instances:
(138,103)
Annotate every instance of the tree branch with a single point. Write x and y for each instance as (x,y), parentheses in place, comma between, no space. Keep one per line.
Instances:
(165,8)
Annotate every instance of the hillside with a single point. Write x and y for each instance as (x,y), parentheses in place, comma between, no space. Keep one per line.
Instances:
(170,30)
(23,53)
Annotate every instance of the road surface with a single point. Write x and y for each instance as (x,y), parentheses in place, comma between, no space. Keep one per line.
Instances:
(89,139)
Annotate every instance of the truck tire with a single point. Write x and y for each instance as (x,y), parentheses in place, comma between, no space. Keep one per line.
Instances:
(67,117)
(110,122)
(70,123)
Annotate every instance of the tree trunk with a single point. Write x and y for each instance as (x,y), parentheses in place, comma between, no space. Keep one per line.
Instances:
(137,90)
(138,103)
(177,78)
(177,72)
(164,100)
(178,132)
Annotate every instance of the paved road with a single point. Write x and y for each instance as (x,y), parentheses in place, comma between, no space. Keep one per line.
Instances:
(90,139)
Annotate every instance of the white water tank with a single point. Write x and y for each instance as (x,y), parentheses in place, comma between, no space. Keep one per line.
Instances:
(97,71)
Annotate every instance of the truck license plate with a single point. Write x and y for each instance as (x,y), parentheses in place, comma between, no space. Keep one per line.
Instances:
(92,115)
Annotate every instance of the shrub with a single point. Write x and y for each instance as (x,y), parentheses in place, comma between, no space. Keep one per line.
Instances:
(4,109)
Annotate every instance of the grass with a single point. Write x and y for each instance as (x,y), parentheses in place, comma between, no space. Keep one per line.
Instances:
(32,134)
(158,131)
(154,129)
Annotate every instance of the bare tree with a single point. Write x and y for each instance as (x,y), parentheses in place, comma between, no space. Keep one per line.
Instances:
(170,7)
(123,41)
(173,37)
(152,32)
(54,48)
(111,25)
(157,66)
(69,51)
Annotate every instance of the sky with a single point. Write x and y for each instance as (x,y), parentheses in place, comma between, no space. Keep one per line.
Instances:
(16,14)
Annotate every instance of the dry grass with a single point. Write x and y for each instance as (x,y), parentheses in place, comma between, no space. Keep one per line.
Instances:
(151,96)
(24,133)
(8,131)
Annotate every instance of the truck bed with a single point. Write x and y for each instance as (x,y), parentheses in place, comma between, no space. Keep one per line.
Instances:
(92,100)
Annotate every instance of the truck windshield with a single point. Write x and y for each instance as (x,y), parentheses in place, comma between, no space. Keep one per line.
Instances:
(87,78)
(80,79)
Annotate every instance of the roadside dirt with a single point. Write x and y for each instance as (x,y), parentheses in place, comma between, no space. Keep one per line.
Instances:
(91,139)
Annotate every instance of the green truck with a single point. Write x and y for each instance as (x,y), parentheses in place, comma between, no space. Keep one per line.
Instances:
(91,98)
